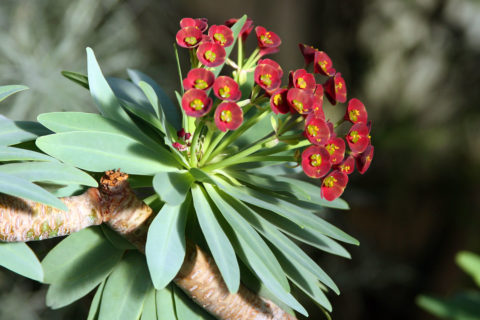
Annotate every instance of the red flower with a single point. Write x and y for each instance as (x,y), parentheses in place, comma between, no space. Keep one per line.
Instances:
(356,111)
(358,137)
(347,166)
(267,39)
(267,77)
(364,159)
(323,64)
(189,37)
(308,53)
(317,105)
(300,100)
(272,63)
(265,51)
(316,130)
(228,116)
(200,23)
(336,149)
(179,146)
(303,80)
(211,54)
(196,103)
(335,89)
(333,185)
(222,35)
(225,88)
(246,29)
(278,101)
(316,161)
(199,78)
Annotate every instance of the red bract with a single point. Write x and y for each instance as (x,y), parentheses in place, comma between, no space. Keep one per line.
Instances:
(211,54)
(265,51)
(189,37)
(364,159)
(179,146)
(335,89)
(316,161)
(200,23)
(199,78)
(246,29)
(308,53)
(300,100)
(303,80)
(356,111)
(267,39)
(323,64)
(272,63)
(347,166)
(316,130)
(358,137)
(333,185)
(336,149)
(267,77)
(278,101)
(222,35)
(317,105)
(227,89)
(228,116)
(196,103)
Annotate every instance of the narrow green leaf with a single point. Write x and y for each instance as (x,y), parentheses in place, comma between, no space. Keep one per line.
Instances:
(50,172)
(101,151)
(18,154)
(165,248)
(6,91)
(102,94)
(187,309)
(463,306)
(218,242)
(165,303)
(76,77)
(18,187)
(116,239)
(173,186)
(152,98)
(19,258)
(470,263)
(94,306)
(14,132)
(149,311)
(126,289)
(172,112)
(129,91)
(77,265)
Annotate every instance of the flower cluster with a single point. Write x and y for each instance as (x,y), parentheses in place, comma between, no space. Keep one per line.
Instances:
(326,157)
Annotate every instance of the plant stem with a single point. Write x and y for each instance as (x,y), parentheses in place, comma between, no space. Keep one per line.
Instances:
(193,147)
(179,68)
(284,147)
(232,161)
(211,147)
(252,58)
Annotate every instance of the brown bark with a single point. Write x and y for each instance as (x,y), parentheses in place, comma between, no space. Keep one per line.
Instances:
(115,204)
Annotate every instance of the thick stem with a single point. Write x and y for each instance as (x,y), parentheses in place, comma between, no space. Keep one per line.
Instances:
(115,204)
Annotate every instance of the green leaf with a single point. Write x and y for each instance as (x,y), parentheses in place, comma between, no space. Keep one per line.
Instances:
(149,311)
(94,306)
(77,265)
(165,304)
(463,306)
(50,172)
(18,187)
(129,91)
(172,112)
(165,248)
(19,258)
(126,289)
(218,242)
(101,151)
(152,98)
(76,77)
(18,154)
(187,309)
(248,244)
(14,132)
(173,186)
(102,94)
(470,263)
(116,239)
(6,91)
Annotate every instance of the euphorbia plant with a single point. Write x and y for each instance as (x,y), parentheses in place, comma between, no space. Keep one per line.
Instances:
(211,190)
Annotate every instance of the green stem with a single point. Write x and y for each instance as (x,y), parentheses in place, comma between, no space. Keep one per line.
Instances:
(252,57)
(284,147)
(339,122)
(179,68)
(289,124)
(211,147)
(208,137)
(240,54)
(231,161)
(193,59)
(193,147)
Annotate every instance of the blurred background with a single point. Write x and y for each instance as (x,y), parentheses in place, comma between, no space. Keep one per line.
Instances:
(415,65)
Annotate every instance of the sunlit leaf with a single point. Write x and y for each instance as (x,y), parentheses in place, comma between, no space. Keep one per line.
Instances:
(470,263)
(165,303)
(173,186)
(14,132)
(76,77)
(6,91)
(149,310)
(17,154)
(19,258)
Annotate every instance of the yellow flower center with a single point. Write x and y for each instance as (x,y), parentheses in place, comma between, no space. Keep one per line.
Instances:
(197,104)
(266,79)
(200,84)
(226,116)
(316,160)
(344,168)
(312,130)
(277,99)
(266,38)
(354,136)
(329,181)
(190,40)
(220,38)
(301,83)
(298,105)
(323,64)
(210,55)
(338,86)
(353,115)
(331,148)
(224,92)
